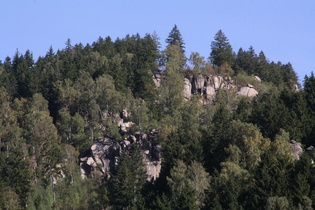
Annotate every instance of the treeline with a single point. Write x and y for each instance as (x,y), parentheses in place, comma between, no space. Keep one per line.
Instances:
(232,154)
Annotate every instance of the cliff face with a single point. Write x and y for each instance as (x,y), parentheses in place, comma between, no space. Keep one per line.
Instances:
(104,153)
(207,86)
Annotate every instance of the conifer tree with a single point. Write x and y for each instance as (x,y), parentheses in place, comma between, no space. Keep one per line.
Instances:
(221,50)
(175,38)
(127,180)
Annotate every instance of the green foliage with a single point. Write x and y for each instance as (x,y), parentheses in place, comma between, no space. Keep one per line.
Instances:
(221,50)
(277,203)
(162,202)
(127,179)
(10,199)
(170,92)
(230,185)
(188,185)
(243,110)
(198,63)
(272,179)
(250,142)
(41,197)
(41,133)
(81,192)
(53,109)
(270,114)
(175,38)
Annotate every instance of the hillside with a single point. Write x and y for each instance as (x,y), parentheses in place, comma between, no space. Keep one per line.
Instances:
(125,124)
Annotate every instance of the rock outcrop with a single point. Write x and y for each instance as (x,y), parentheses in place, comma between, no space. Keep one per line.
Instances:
(207,86)
(297,149)
(187,89)
(157,79)
(248,91)
(104,153)
(124,126)
(209,90)
(257,79)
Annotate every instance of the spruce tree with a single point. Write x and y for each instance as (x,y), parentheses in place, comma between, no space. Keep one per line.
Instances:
(221,50)
(127,180)
(175,38)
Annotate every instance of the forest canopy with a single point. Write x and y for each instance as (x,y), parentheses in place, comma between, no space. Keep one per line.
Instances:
(226,151)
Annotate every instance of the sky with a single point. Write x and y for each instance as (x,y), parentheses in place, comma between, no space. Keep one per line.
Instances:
(283,29)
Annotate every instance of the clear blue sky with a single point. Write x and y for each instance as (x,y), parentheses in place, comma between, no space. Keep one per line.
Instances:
(283,29)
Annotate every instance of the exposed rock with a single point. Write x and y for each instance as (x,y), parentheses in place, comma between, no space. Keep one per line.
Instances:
(123,126)
(257,79)
(90,161)
(205,86)
(105,151)
(124,114)
(132,138)
(252,92)
(217,80)
(200,82)
(187,89)
(311,151)
(210,92)
(84,159)
(127,143)
(153,169)
(297,149)
(157,79)
(295,87)
(249,85)
(247,91)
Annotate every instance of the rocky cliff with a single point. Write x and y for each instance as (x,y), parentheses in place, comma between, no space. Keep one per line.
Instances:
(207,86)
(104,153)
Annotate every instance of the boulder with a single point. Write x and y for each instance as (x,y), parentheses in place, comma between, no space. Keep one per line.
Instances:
(257,79)
(126,142)
(105,151)
(249,85)
(210,92)
(200,82)
(90,161)
(187,89)
(125,114)
(247,91)
(252,92)
(297,149)
(153,169)
(217,80)
(132,138)
(124,126)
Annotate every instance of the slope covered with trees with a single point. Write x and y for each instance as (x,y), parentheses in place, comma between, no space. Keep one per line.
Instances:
(234,153)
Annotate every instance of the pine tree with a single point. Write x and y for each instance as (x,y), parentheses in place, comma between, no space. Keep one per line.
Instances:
(301,183)
(127,180)
(175,38)
(221,50)
(15,172)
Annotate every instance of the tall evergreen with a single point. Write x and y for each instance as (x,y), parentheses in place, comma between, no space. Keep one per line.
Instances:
(127,180)
(221,50)
(175,38)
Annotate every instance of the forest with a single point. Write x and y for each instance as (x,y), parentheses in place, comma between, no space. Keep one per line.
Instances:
(226,152)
